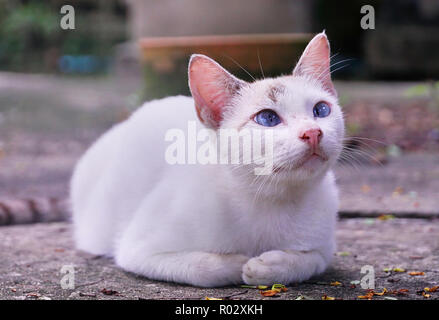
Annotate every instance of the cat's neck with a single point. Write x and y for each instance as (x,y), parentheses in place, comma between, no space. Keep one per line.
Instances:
(267,190)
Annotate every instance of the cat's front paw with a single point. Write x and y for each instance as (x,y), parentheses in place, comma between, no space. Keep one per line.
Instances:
(268,268)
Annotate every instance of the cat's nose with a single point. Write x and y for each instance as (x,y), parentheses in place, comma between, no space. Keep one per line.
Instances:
(312,137)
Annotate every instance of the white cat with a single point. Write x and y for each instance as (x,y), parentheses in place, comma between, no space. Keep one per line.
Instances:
(216,225)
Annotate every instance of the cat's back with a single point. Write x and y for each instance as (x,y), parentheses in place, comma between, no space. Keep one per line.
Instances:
(138,141)
(125,163)
(143,133)
(163,114)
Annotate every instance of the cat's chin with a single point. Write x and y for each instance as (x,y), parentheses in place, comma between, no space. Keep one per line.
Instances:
(312,162)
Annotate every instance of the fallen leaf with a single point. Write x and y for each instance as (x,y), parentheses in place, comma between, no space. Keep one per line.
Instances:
(335,283)
(385,217)
(269,293)
(365,188)
(400,292)
(325,297)
(278,286)
(425,295)
(398,191)
(416,273)
(212,298)
(343,253)
(370,293)
(380,293)
(432,289)
(398,270)
(108,292)
(367,296)
(254,287)
(85,294)
(304,297)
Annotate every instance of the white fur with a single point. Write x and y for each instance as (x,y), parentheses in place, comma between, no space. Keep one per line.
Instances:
(209,225)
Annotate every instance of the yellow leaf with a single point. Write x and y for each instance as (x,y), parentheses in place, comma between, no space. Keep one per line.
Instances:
(278,286)
(325,297)
(262,287)
(426,295)
(335,283)
(385,217)
(381,293)
(432,289)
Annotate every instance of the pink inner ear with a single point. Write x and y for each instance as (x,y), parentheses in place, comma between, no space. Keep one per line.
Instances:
(315,62)
(211,88)
(316,57)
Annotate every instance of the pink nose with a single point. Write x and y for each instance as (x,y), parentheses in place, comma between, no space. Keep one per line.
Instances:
(312,137)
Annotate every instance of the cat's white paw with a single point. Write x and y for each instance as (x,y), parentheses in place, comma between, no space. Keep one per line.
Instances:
(268,268)
(218,270)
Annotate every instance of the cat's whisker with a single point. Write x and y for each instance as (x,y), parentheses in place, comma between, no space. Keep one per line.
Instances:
(260,65)
(355,138)
(351,161)
(241,67)
(362,154)
(327,71)
(364,149)
(363,143)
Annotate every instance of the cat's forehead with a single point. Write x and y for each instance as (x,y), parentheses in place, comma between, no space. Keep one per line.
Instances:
(287,89)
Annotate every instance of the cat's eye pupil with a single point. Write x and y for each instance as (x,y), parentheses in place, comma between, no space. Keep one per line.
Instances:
(321,110)
(267,118)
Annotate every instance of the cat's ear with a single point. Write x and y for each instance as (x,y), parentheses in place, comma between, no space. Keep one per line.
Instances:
(315,62)
(212,88)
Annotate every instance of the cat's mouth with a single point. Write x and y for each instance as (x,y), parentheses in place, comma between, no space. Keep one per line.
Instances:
(310,159)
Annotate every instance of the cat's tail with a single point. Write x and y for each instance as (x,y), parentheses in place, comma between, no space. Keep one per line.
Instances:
(33,210)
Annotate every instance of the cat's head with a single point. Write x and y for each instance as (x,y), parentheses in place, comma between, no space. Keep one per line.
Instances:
(301,109)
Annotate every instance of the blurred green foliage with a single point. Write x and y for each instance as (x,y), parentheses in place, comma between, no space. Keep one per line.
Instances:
(31,38)
(428,90)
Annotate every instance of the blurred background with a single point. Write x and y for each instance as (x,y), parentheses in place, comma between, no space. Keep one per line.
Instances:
(60,89)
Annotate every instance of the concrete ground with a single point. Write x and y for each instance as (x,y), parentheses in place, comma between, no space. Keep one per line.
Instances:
(389,213)
(32,258)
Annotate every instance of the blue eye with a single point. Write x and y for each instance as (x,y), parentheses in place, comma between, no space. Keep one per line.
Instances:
(321,110)
(267,118)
